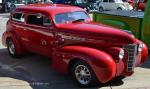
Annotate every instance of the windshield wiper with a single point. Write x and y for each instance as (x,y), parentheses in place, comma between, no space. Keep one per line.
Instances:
(78,20)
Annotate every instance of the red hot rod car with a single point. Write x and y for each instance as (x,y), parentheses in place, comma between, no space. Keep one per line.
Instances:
(87,50)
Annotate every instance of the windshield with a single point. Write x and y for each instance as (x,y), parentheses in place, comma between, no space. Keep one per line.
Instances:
(70,16)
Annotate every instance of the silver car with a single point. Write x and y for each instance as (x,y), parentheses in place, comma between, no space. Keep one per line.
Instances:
(113,5)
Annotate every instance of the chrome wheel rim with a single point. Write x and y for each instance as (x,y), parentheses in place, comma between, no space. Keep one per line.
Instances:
(11,47)
(82,74)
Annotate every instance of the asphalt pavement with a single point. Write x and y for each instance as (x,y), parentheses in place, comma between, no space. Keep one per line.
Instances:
(34,72)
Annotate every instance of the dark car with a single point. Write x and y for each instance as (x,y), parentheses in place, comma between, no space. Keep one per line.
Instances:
(85,4)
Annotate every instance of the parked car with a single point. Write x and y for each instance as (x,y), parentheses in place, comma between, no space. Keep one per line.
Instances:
(88,5)
(89,51)
(113,5)
(14,6)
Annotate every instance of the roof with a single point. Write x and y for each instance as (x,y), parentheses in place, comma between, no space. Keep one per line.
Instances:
(49,8)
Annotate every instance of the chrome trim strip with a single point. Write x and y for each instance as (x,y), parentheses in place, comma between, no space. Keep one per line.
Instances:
(48,33)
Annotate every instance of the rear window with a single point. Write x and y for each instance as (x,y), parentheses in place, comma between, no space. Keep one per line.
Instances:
(18,17)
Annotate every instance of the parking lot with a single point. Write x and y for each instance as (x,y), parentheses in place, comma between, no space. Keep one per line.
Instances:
(34,72)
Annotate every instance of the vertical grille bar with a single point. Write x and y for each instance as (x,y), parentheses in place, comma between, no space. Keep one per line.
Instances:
(132,50)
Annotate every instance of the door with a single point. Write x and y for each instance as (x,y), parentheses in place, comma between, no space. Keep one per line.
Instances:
(17,24)
(40,34)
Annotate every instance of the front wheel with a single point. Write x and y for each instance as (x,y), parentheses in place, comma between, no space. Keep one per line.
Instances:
(101,9)
(83,74)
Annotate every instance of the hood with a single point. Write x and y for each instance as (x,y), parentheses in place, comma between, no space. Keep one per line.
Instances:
(97,31)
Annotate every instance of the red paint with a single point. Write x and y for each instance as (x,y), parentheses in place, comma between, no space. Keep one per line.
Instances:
(141,4)
(96,44)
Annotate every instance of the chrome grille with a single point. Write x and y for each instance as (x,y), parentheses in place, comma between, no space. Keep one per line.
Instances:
(131,50)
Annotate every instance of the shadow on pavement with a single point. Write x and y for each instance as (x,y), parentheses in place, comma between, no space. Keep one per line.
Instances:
(36,70)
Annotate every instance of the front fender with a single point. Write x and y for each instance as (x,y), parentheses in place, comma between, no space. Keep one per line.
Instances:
(102,63)
(144,53)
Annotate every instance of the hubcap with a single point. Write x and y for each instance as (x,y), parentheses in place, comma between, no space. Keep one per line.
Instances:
(11,47)
(82,74)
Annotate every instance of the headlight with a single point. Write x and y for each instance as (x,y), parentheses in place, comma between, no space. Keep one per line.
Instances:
(121,54)
(140,47)
(129,32)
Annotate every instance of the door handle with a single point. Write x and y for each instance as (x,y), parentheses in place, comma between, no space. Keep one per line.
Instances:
(44,42)
(24,29)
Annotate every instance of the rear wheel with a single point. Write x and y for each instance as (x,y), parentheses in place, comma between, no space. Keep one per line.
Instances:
(11,48)
(83,74)
(101,9)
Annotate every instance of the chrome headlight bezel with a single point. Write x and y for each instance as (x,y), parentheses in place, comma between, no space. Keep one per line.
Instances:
(140,47)
(129,32)
(121,53)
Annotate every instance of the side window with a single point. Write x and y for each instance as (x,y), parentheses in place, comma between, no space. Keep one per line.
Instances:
(18,17)
(46,21)
(34,19)
(111,0)
(105,0)
(38,20)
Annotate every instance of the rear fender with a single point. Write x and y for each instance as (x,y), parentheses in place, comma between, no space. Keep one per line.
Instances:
(101,63)
(4,37)
(8,35)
